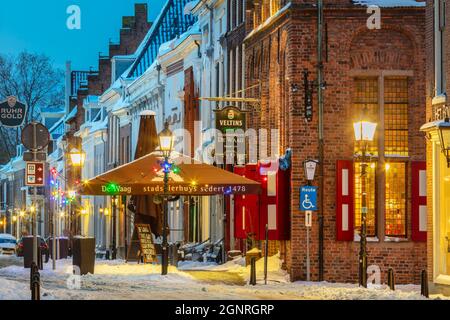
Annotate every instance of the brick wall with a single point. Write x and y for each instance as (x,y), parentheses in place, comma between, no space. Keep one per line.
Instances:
(277,55)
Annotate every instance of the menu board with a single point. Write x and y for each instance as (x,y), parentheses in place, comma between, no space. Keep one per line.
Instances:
(142,244)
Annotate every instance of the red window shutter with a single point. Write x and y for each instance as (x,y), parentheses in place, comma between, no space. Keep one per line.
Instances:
(344,200)
(418,201)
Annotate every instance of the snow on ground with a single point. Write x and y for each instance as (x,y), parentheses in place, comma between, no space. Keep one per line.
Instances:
(191,280)
(238,266)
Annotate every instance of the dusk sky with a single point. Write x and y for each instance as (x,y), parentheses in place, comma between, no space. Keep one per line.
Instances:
(40,26)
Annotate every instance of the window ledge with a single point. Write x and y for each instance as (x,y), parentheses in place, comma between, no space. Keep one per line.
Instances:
(357,238)
(395,239)
(439,99)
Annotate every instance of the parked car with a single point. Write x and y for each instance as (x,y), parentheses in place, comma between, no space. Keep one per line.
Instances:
(7,244)
(44,249)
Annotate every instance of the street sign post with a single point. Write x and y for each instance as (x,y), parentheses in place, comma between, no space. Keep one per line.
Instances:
(308,224)
(308,198)
(308,203)
(308,219)
(35,174)
(35,137)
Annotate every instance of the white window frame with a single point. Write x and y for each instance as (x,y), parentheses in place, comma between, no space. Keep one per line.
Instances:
(439,27)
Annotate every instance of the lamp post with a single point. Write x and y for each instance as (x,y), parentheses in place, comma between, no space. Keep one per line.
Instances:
(364,133)
(107,226)
(77,158)
(19,223)
(165,145)
(444,138)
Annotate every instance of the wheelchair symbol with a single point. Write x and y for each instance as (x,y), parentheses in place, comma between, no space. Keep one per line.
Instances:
(307,204)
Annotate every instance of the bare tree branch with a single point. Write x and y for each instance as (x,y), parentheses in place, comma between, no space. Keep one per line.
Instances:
(33,80)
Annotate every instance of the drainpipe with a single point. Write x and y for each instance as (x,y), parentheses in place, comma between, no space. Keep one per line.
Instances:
(158,68)
(321,140)
(199,52)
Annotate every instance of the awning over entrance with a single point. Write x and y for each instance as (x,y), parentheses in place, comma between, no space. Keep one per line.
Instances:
(144,176)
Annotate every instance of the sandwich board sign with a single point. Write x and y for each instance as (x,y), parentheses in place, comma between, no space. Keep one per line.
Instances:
(141,246)
(12,112)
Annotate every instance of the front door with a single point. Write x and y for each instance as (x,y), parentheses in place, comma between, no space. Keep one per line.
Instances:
(444,211)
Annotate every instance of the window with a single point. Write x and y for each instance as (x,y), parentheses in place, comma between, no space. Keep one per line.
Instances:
(274,6)
(394,120)
(396,117)
(265,10)
(365,103)
(395,199)
(371,216)
(439,26)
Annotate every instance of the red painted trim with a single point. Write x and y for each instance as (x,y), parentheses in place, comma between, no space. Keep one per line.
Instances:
(342,235)
(417,201)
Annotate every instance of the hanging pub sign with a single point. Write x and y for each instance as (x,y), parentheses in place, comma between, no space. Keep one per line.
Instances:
(12,112)
(231,122)
(230,119)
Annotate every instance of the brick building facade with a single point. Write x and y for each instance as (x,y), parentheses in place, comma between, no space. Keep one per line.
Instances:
(438,171)
(380,72)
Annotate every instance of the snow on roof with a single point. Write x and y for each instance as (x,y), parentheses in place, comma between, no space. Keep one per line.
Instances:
(150,32)
(147,113)
(172,44)
(435,125)
(269,21)
(390,3)
(99,125)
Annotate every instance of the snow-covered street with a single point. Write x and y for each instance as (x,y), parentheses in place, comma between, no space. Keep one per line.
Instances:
(119,280)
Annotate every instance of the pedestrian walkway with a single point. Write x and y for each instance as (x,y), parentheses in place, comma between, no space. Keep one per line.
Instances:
(217,277)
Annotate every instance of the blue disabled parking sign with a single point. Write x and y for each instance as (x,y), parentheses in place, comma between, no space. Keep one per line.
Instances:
(308,198)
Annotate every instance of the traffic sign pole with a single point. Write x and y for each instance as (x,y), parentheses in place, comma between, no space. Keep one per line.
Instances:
(35,254)
(308,220)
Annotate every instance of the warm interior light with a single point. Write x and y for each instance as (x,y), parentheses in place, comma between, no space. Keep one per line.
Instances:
(14,218)
(387,166)
(106,212)
(364,130)
(32,209)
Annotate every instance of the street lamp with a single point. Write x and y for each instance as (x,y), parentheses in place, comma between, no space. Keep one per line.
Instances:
(165,145)
(364,133)
(444,137)
(77,157)
(166,141)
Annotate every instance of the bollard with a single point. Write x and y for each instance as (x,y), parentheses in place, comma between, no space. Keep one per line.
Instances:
(253,271)
(391,279)
(424,284)
(35,280)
